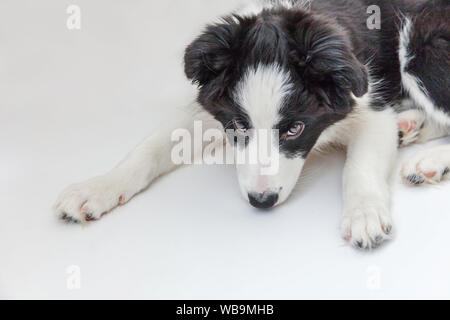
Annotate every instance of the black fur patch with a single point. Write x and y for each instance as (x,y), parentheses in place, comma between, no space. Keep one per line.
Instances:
(325,50)
(430,48)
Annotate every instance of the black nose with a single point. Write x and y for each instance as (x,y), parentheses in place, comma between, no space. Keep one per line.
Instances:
(264,200)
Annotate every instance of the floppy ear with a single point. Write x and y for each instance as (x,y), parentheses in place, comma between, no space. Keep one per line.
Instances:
(353,75)
(325,58)
(339,74)
(212,52)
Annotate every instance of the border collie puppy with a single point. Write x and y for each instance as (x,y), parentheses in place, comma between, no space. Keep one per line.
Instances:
(314,73)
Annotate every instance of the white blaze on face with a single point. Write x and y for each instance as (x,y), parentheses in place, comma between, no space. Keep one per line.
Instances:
(262,93)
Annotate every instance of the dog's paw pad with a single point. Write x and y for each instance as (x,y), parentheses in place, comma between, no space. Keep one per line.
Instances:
(410,124)
(407,126)
(122,200)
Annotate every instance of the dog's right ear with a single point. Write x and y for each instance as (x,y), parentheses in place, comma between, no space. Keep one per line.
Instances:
(212,52)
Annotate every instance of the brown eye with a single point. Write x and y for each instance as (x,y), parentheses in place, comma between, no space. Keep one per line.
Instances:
(295,131)
(240,127)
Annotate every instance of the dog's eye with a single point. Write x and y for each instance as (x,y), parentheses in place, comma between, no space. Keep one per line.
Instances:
(295,131)
(240,126)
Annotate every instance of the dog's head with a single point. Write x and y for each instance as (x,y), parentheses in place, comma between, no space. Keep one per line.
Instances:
(288,72)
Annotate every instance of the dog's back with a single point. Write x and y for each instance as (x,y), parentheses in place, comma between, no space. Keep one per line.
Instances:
(425,59)
(413,39)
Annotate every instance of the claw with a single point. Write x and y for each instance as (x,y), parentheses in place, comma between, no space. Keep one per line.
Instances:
(415,179)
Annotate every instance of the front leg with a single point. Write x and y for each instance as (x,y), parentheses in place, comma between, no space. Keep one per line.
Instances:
(89,200)
(372,149)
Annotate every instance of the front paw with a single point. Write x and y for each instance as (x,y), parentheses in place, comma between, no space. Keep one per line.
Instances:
(89,200)
(367,225)
(410,125)
(426,167)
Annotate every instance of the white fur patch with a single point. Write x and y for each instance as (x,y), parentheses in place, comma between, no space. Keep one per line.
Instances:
(262,92)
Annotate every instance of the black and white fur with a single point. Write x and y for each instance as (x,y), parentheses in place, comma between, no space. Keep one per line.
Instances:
(277,64)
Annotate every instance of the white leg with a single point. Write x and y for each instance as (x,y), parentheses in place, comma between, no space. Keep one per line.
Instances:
(90,199)
(427,166)
(371,154)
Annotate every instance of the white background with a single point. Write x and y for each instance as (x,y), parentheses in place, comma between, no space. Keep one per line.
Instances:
(73,103)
